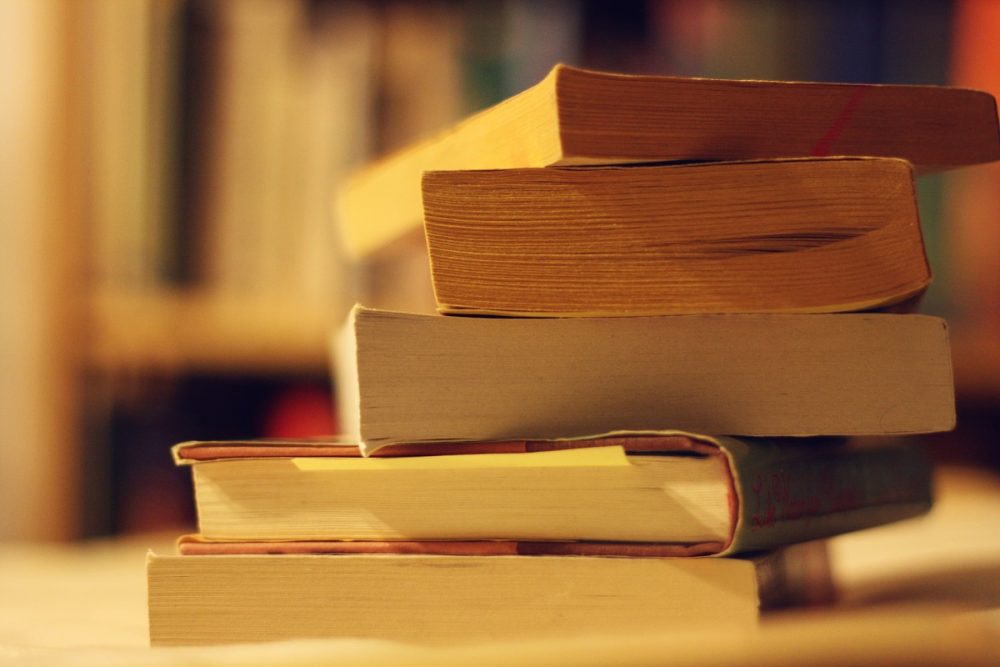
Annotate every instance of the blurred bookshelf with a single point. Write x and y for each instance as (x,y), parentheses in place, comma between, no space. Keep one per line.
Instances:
(205,138)
(179,331)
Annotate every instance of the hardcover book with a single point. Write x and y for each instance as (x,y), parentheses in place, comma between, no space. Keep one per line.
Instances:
(684,494)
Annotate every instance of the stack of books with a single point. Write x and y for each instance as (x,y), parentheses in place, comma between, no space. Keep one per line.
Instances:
(645,426)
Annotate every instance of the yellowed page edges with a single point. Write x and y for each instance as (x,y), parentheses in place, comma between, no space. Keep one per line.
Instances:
(584,457)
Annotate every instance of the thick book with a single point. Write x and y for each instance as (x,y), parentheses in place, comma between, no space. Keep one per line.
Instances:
(447,599)
(683,494)
(810,235)
(402,377)
(582,117)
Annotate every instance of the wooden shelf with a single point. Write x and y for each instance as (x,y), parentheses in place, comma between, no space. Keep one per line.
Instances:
(192,331)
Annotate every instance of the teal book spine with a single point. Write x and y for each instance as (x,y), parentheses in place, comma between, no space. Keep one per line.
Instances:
(789,492)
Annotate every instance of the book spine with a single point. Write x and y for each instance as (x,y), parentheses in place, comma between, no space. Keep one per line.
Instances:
(784,495)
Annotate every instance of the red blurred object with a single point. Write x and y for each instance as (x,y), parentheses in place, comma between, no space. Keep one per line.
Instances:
(302,411)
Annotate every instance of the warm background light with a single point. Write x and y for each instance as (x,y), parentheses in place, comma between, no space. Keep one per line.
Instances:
(170,265)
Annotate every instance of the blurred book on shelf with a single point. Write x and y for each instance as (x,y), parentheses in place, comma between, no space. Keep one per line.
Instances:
(129,59)
(215,129)
(280,107)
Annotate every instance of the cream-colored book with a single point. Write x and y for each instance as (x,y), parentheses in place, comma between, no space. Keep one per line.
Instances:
(461,599)
(410,378)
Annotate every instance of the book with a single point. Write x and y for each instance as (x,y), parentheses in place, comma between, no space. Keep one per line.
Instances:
(810,235)
(404,377)
(270,120)
(692,494)
(583,117)
(447,599)
(126,129)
